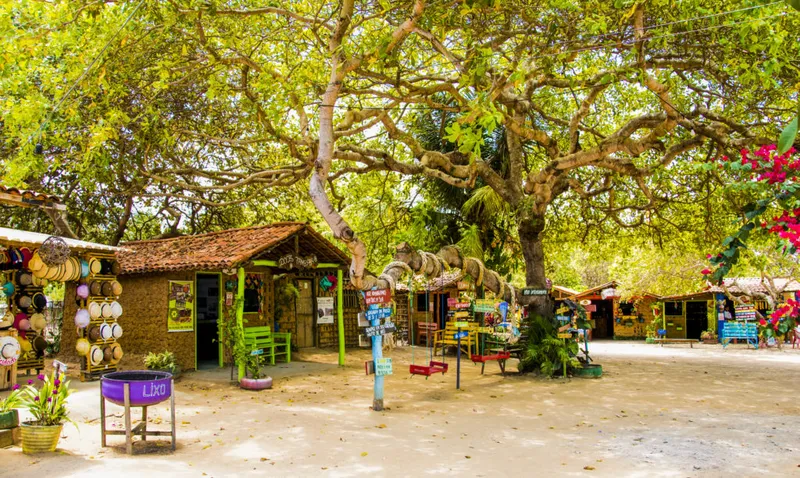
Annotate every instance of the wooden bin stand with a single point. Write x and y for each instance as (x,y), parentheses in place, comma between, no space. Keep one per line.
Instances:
(140,429)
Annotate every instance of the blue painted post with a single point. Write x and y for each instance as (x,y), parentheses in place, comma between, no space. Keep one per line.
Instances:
(720,313)
(377,352)
(458,361)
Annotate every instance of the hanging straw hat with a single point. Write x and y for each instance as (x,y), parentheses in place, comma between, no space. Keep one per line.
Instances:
(38,281)
(106,289)
(39,301)
(116,310)
(7,320)
(95,288)
(94,266)
(82,291)
(105,331)
(23,301)
(94,333)
(39,344)
(116,268)
(9,349)
(26,256)
(105,310)
(116,331)
(35,263)
(116,288)
(24,278)
(38,322)
(108,354)
(95,355)
(82,346)
(95,310)
(116,351)
(82,318)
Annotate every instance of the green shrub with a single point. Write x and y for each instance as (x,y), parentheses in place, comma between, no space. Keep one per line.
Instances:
(545,352)
(163,361)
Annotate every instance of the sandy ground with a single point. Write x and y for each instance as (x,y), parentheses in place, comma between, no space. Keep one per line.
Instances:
(670,411)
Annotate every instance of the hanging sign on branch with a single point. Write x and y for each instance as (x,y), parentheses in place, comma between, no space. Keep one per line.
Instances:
(381,313)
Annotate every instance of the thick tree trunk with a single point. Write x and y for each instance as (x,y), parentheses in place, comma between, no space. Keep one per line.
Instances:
(530,238)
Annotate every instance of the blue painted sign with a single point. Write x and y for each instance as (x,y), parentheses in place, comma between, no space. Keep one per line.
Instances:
(376,314)
(461,335)
(257,352)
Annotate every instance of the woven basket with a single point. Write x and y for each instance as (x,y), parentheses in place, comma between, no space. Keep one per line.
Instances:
(40,439)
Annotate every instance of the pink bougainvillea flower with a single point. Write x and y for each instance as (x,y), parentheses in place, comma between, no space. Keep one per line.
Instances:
(706,271)
(762,322)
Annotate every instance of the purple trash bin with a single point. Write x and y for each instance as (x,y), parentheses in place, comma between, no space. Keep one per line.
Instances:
(147,387)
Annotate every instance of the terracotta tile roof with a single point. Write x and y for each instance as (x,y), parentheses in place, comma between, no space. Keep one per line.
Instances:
(27,198)
(224,249)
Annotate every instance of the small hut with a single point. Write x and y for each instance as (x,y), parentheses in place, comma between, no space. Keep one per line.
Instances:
(612,317)
(179,292)
(428,301)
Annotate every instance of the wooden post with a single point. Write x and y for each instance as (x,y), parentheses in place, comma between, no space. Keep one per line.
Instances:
(340,313)
(240,310)
(221,317)
(144,423)
(128,437)
(102,418)
(172,411)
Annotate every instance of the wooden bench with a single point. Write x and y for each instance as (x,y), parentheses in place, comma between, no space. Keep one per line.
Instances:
(740,330)
(274,344)
(427,330)
(446,337)
(664,340)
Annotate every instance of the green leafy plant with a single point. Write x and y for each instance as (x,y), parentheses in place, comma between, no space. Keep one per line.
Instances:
(47,402)
(253,364)
(12,401)
(546,352)
(708,335)
(163,361)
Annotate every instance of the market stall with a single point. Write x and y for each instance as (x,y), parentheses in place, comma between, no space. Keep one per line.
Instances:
(29,262)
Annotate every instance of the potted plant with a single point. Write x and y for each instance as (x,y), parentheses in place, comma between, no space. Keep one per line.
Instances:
(9,417)
(47,403)
(708,337)
(163,362)
(255,381)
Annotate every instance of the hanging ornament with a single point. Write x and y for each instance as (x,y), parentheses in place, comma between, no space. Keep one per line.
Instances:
(54,251)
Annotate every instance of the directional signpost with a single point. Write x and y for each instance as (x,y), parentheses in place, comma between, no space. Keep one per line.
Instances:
(461,334)
(378,301)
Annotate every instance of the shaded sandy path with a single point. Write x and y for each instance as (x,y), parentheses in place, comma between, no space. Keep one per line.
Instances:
(669,411)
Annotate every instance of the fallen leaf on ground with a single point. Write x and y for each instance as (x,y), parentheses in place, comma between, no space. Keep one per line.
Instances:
(587,467)
(363,453)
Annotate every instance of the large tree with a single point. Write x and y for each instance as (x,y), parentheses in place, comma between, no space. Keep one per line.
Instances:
(600,102)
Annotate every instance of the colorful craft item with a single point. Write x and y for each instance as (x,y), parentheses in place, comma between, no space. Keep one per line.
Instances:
(38,322)
(82,318)
(82,291)
(10,350)
(82,346)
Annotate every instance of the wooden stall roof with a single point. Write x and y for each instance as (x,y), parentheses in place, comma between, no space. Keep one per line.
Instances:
(227,249)
(27,198)
(17,238)
(738,285)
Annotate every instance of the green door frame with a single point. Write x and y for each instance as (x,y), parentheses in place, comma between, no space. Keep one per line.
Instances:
(220,288)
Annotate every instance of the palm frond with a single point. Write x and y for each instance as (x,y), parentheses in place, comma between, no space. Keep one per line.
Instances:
(484,202)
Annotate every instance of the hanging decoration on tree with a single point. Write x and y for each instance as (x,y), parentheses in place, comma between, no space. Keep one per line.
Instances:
(54,251)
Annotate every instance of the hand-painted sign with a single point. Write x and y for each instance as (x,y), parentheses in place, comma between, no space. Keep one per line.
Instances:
(461,314)
(383,366)
(369,367)
(452,301)
(180,313)
(462,285)
(461,325)
(376,330)
(461,335)
(529,292)
(562,310)
(485,330)
(463,305)
(293,261)
(564,336)
(485,305)
(591,308)
(257,352)
(376,314)
(378,296)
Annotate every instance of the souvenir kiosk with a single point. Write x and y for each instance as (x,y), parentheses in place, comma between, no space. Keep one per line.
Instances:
(30,261)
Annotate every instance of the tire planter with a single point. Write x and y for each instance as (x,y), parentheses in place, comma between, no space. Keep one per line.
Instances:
(40,439)
(9,419)
(255,383)
(589,371)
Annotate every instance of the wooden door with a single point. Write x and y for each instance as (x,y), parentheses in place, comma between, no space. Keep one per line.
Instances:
(305,314)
